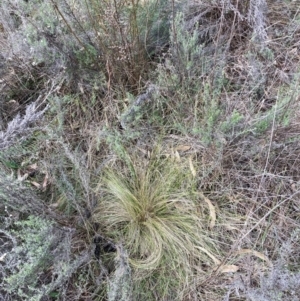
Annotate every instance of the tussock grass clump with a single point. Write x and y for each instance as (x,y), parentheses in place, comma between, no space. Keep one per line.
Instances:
(154,213)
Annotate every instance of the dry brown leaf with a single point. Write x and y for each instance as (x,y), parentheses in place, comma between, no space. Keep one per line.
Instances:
(45,182)
(145,152)
(21,177)
(212,210)
(230,228)
(255,253)
(228,268)
(215,260)
(177,156)
(192,168)
(35,184)
(2,257)
(183,148)
(81,88)
(32,166)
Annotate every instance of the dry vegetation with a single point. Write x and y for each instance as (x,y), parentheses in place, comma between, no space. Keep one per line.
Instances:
(149,150)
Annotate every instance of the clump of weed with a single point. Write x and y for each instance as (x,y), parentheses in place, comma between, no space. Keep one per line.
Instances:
(153,210)
(40,260)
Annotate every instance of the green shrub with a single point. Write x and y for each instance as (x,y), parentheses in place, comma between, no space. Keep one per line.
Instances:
(41,261)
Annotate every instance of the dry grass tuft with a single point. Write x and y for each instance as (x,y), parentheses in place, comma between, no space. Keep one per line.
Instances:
(153,211)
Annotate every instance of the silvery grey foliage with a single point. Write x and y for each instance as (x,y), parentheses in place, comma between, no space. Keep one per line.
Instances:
(257,18)
(17,196)
(38,249)
(280,283)
(139,104)
(120,286)
(21,126)
(227,5)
